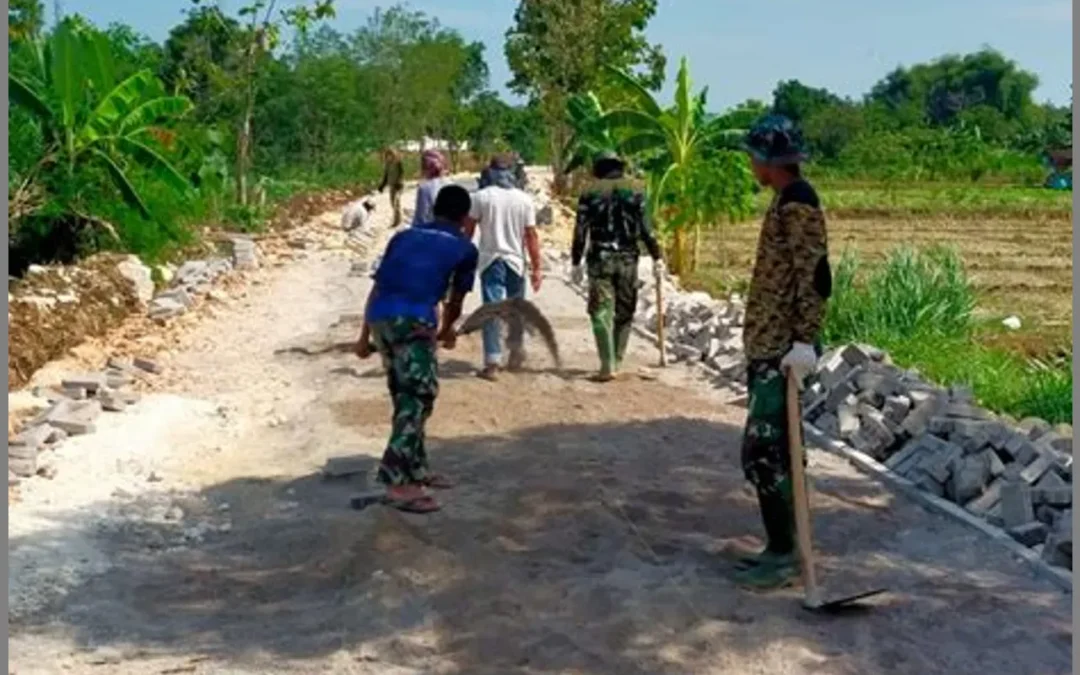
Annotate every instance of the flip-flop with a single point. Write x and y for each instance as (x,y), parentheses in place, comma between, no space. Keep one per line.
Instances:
(438,482)
(425,504)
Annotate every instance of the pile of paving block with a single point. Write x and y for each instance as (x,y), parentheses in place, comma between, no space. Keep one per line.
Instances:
(1014,475)
(195,277)
(73,410)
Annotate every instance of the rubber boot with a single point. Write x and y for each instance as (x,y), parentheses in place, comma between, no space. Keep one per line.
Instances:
(622,339)
(605,345)
(778,516)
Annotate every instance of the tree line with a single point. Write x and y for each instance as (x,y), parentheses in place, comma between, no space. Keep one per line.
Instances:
(118,141)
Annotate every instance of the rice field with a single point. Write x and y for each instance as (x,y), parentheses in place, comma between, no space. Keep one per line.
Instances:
(1014,247)
(1018,265)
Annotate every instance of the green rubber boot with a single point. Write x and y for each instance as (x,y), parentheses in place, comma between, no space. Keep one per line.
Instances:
(766,557)
(605,343)
(768,576)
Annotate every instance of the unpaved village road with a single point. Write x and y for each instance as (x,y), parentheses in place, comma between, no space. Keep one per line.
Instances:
(591,531)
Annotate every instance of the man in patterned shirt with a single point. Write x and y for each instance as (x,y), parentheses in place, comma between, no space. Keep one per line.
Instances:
(784,311)
(612,225)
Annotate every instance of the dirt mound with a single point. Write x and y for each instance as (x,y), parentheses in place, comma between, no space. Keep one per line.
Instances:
(53,309)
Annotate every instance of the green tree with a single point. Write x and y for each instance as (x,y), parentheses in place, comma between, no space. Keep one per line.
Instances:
(90,122)
(558,48)
(799,102)
(26,18)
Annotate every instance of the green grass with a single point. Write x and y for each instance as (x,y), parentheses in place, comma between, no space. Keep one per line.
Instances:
(847,199)
(919,307)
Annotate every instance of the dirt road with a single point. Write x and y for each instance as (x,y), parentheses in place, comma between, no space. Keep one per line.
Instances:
(590,533)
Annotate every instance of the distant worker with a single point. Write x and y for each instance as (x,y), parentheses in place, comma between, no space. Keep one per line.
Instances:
(506,219)
(394,178)
(785,307)
(357,215)
(612,224)
(432,170)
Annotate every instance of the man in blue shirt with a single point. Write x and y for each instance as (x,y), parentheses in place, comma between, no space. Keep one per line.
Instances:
(420,266)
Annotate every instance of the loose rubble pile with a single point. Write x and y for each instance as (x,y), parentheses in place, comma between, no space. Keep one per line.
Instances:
(73,409)
(1017,476)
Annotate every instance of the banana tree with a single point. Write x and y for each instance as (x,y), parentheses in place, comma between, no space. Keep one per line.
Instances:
(669,140)
(590,132)
(89,121)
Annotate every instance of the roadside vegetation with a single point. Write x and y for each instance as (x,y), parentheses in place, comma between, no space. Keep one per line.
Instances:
(933,180)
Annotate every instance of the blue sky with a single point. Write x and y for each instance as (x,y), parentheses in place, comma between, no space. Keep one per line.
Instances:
(741,48)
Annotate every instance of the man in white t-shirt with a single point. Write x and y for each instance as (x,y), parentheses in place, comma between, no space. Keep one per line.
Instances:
(357,215)
(506,226)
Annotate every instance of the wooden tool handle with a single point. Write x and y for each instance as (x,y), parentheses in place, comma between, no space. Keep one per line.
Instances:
(661,345)
(800,489)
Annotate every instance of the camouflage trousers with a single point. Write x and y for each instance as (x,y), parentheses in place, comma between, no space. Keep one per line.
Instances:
(613,289)
(766,459)
(407,347)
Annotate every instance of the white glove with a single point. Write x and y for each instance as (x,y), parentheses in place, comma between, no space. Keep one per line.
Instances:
(577,274)
(800,360)
(659,268)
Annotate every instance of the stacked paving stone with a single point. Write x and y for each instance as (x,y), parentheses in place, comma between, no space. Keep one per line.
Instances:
(192,279)
(1017,476)
(1014,475)
(74,409)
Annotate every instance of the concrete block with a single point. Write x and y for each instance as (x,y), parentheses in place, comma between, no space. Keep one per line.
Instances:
(966,411)
(916,422)
(1021,449)
(111,400)
(873,437)
(90,382)
(906,454)
(73,417)
(1034,471)
(23,467)
(1033,427)
(147,365)
(829,425)
(990,498)
(165,308)
(1029,535)
(968,478)
(896,408)
(1016,505)
(997,467)
(1051,440)
(848,420)
(855,355)
(34,437)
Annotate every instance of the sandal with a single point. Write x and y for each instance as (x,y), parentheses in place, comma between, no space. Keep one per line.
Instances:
(437,482)
(424,504)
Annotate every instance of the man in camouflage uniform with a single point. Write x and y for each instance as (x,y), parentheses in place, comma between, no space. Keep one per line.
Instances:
(394,178)
(784,310)
(612,224)
(421,265)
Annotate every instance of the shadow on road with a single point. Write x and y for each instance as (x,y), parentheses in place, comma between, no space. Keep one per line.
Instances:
(565,548)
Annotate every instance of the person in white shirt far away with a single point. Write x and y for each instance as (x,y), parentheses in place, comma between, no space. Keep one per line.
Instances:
(505,219)
(357,215)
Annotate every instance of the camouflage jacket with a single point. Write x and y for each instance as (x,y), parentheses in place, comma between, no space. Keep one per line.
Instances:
(791,279)
(612,217)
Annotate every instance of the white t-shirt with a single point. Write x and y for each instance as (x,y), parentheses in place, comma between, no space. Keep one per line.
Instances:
(502,216)
(355,216)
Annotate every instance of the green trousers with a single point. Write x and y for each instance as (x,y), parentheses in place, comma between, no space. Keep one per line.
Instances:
(613,289)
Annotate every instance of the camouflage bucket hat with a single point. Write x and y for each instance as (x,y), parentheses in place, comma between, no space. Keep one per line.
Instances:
(774,139)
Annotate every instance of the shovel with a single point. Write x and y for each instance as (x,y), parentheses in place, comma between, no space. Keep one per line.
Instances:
(660,323)
(812,599)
